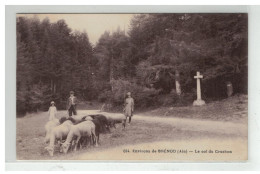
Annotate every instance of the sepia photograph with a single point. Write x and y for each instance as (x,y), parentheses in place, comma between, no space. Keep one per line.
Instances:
(132,87)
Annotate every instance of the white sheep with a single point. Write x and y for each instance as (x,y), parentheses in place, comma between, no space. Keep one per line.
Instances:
(77,118)
(85,129)
(116,118)
(48,128)
(58,133)
(87,118)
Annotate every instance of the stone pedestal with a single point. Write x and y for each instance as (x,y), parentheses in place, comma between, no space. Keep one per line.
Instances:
(198,102)
(178,87)
(229,89)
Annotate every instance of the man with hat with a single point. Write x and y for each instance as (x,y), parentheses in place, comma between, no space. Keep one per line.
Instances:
(71,104)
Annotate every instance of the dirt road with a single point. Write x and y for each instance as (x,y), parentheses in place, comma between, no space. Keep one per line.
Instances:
(235,141)
(185,124)
(219,127)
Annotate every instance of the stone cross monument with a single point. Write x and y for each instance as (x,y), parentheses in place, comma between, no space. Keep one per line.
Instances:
(177,82)
(199,101)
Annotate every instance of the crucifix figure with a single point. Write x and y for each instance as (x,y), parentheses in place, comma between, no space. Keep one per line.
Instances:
(199,101)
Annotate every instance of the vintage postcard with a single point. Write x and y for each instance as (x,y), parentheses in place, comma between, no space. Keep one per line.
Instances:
(132,87)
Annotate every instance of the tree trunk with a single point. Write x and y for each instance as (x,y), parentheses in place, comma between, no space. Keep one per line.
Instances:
(111,77)
(51,86)
(54,88)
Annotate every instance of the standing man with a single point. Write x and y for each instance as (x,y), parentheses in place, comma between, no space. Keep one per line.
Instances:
(71,104)
(129,106)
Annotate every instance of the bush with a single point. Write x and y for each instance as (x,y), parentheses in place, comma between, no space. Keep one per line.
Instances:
(105,96)
(35,98)
(143,96)
(173,99)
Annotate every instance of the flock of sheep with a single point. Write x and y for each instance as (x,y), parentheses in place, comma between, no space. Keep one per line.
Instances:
(78,131)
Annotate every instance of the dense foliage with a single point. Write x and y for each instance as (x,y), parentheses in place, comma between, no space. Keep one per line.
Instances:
(51,61)
(157,50)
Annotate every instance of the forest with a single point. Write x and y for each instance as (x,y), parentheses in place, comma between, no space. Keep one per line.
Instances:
(156,51)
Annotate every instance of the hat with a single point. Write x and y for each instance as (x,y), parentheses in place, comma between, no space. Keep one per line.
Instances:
(52,102)
(129,93)
(71,92)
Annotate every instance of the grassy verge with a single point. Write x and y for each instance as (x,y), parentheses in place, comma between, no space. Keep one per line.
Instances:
(233,109)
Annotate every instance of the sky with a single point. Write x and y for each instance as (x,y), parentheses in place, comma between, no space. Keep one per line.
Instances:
(94,24)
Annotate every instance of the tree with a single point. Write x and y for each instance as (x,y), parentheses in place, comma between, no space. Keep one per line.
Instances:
(158,56)
(51,61)
(184,43)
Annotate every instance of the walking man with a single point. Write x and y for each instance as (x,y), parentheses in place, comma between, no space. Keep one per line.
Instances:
(71,104)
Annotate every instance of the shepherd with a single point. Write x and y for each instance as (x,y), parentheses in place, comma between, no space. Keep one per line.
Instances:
(129,107)
(71,104)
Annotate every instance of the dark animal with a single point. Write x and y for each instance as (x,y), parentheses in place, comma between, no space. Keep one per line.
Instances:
(103,122)
(62,119)
(73,120)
